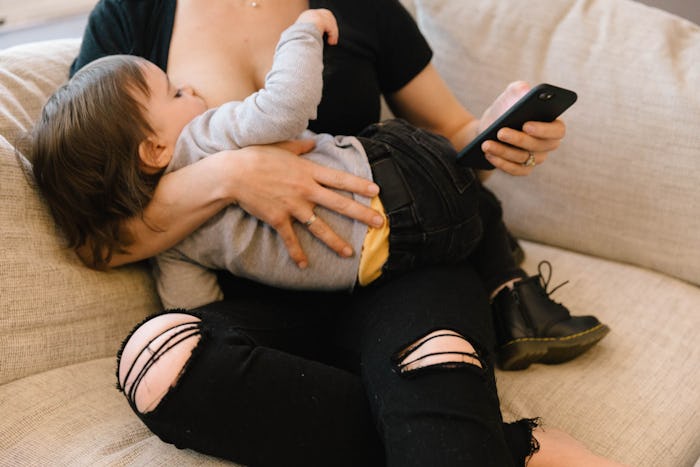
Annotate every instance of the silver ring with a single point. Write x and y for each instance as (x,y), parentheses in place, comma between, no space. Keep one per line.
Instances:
(311,220)
(530,162)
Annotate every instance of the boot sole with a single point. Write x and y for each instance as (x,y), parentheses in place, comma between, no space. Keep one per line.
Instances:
(521,353)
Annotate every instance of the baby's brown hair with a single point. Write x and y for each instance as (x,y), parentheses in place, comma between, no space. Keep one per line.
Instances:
(85,154)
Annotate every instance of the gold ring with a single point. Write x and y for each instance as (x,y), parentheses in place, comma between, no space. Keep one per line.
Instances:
(530,162)
(311,220)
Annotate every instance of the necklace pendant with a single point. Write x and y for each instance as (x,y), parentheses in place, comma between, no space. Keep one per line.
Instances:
(254,4)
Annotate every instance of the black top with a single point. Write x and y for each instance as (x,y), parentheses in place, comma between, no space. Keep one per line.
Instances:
(380,49)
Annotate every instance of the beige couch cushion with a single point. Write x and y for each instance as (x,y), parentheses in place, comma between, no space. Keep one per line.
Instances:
(53,310)
(74,416)
(28,75)
(624,185)
(634,397)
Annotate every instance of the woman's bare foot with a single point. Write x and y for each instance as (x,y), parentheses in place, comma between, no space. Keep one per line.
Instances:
(558,448)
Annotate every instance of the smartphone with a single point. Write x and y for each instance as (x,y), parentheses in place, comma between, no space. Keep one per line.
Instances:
(543,103)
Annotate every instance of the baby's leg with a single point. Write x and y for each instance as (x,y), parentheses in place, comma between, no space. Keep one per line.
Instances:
(425,340)
(530,326)
(430,202)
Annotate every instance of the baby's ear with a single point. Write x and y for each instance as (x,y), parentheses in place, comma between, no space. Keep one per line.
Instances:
(154,156)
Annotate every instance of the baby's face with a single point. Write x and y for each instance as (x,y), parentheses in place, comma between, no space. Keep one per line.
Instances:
(170,108)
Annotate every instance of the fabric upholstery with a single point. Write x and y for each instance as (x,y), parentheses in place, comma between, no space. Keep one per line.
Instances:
(28,75)
(633,397)
(74,416)
(623,185)
(53,310)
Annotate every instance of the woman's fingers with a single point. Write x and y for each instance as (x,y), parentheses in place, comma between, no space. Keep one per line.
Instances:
(512,160)
(343,180)
(344,205)
(320,229)
(339,180)
(323,195)
(555,130)
(280,188)
(547,137)
(291,242)
(511,153)
(517,168)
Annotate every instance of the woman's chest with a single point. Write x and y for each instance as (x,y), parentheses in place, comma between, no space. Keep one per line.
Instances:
(224,48)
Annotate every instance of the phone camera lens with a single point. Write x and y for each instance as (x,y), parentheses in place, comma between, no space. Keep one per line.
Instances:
(546,95)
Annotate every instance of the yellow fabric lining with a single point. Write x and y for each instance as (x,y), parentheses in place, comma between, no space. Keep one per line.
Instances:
(375,249)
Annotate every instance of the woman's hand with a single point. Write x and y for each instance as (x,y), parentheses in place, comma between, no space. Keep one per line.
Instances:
(270,182)
(536,139)
(278,187)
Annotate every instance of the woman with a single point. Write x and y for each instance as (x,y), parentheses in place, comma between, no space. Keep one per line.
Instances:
(270,377)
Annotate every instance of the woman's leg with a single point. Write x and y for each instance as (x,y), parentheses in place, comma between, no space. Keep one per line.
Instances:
(236,381)
(557,448)
(211,380)
(423,340)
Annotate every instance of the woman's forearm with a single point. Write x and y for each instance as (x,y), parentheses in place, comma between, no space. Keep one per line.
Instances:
(183,201)
(269,182)
(427,102)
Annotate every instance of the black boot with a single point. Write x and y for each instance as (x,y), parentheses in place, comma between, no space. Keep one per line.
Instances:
(532,328)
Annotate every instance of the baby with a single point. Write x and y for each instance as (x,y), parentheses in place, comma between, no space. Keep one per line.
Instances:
(146,127)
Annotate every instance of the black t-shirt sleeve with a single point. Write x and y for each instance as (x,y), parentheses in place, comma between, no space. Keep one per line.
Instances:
(403,52)
(380,51)
(108,32)
(133,27)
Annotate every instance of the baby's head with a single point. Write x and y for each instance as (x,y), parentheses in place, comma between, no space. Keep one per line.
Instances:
(100,145)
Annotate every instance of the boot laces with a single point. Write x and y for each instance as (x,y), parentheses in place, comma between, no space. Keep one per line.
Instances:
(545,282)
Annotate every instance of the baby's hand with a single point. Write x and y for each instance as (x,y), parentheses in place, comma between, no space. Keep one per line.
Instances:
(324,20)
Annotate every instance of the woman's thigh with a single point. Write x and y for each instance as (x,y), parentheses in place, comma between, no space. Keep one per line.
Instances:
(251,388)
(424,340)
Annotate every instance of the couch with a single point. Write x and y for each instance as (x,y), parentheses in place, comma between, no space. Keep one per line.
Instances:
(616,210)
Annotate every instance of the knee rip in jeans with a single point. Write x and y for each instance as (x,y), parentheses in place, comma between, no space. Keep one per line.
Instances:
(439,349)
(155,356)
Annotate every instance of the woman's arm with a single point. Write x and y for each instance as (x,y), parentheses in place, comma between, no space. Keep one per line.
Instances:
(426,101)
(270,182)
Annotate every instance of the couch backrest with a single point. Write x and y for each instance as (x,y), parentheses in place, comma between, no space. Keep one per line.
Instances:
(53,310)
(624,184)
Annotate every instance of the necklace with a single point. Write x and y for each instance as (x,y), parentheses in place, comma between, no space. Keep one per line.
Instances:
(254,4)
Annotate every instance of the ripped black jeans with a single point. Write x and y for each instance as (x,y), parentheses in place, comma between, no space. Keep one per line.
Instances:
(284,378)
